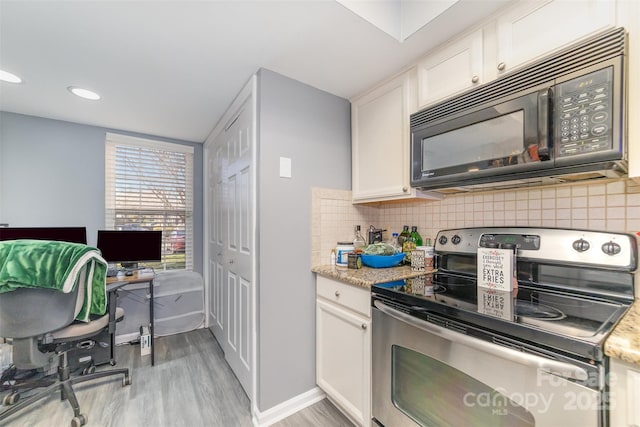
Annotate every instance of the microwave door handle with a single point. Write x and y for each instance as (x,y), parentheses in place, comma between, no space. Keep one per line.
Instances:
(555,367)
(545,97)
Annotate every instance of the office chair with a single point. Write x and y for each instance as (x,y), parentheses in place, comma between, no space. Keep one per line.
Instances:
(41,324)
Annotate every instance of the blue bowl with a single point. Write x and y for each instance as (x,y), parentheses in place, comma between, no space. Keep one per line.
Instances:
(382,261)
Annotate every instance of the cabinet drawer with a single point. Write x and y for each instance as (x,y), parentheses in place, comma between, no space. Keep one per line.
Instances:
(352,297)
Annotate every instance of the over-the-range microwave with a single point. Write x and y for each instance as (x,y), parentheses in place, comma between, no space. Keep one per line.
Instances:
(563,115)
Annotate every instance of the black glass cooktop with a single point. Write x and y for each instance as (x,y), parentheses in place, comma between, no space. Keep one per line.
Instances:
(569,322)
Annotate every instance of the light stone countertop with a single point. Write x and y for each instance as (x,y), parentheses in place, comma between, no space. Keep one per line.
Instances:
(366,277)
(624,341)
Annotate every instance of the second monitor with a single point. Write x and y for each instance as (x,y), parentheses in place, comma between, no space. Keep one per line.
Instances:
(130,247)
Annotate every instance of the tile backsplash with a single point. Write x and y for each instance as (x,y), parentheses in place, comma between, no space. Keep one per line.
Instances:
(611,205)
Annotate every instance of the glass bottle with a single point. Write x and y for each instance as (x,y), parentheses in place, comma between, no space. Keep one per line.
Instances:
(407,247)
(403,235)
(358,241)
(416,236)
(394,243)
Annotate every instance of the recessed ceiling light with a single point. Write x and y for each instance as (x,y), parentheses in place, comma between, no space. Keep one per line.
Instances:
(5,76)
(84,93)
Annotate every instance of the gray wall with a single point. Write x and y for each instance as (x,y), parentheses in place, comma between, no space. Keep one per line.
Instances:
(52,174)
(313,128)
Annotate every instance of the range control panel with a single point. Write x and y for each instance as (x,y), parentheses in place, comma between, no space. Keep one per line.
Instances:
(520,241)
(609,250)
(584,114)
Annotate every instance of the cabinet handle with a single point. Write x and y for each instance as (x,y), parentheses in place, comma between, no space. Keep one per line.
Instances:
(475,79)
(502,66)
(364,326)
(337,294)
(405,189)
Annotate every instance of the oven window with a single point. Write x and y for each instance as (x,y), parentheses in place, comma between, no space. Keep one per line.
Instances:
(491,139)
(435,394)
(459,263)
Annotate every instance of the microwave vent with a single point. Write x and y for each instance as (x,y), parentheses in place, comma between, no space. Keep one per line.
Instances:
(532,182)
(589,52)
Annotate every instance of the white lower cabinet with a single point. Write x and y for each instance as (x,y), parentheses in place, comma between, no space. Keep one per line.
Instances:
(624,393)
(343,347)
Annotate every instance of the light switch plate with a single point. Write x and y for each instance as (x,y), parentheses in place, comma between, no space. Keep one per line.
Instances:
(285,167)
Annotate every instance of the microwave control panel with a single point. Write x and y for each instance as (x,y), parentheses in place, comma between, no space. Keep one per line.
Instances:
(584,114)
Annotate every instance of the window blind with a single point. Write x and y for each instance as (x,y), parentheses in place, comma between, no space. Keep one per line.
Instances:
(149,186)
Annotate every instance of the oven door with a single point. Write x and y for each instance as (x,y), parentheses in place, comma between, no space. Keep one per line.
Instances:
(511,136)
(428,375)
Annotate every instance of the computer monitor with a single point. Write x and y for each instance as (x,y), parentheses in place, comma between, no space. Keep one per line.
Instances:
(130,247)
(60,234)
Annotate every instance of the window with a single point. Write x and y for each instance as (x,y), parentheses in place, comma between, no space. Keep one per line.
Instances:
(149,186)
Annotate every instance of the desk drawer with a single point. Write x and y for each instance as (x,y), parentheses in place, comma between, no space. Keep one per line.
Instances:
(352,297)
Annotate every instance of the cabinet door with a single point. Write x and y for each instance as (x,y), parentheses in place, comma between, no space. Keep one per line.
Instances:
(533,29)
(453,69)
(380,142)
(624,394)
(343,359)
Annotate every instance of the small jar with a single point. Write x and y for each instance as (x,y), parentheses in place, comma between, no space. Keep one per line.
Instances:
(429,252)
(342,250)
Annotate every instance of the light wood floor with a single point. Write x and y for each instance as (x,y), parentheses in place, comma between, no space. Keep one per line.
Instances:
(191,385)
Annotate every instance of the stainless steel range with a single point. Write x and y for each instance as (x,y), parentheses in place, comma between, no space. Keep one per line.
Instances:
(449,353)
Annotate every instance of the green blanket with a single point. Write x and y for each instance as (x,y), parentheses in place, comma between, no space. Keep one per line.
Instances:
(55,265)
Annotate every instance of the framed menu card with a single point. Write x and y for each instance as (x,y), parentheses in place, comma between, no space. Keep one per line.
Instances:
(496,268)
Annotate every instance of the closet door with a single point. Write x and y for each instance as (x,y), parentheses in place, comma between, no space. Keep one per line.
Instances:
(231,221)
(216,239)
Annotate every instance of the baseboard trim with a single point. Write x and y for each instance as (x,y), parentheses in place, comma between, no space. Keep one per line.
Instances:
(289,407)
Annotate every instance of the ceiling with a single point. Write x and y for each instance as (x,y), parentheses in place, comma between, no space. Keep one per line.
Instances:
(171,68)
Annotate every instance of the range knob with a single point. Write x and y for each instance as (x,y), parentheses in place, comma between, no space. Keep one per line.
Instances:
(442,240)
(455,239)
(581,245)
(611,248)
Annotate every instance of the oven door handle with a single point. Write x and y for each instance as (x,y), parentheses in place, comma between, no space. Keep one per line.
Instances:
(554,367)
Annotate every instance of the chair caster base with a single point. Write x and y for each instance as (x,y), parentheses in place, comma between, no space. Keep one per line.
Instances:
(10,399)
(89,370)
(78,421)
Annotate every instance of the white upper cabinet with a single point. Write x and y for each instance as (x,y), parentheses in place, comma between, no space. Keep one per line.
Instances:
(380,141)
(629,17)
(533,28)
(518,35)
(452,69)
